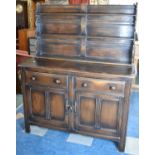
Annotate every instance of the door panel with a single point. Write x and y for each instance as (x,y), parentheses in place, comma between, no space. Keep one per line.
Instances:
(109,111)
(57,106)
(87,111)
(111,114)
(37,103)
(58,112)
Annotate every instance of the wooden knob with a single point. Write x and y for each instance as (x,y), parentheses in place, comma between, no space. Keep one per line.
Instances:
(57,81)
(85,85)
(33,78)
(112,88)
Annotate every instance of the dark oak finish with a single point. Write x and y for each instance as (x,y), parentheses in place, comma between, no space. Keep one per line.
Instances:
(98,114)
(107,49)
(56,81)
(48,104)
(111,9)
(96,69)
(97,85)
(68,96)
(81,78)
(87,32)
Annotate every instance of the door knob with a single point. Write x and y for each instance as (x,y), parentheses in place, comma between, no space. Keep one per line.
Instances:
(85,85)
(33,78)
(112,87)
(57,81)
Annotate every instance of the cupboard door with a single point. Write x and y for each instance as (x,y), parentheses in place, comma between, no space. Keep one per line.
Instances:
(48,105)
(98,114)
(58,108)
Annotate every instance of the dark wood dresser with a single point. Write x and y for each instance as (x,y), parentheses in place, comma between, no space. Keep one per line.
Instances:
(81,77)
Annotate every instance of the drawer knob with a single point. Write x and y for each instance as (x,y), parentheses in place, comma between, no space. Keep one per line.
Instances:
(85,85)
(57,81)
(33,78)
(112,88)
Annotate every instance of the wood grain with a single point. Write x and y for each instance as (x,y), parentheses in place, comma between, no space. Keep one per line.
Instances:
(87,111)
(57,106)
(38,104)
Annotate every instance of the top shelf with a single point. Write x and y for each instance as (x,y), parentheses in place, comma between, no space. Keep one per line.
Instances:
(99,9)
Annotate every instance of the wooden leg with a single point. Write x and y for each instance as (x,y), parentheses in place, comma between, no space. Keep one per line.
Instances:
(27,127)
(121,146)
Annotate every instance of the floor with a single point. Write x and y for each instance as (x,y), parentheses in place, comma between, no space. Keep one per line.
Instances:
(42,141)
(19,100)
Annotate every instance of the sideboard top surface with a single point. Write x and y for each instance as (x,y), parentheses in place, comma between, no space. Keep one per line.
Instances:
(73,67)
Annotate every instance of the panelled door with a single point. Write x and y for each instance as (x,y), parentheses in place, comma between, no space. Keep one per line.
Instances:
(98,113)
(48,105)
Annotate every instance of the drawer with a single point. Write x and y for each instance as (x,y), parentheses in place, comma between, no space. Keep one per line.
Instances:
(98,85)
(50,80)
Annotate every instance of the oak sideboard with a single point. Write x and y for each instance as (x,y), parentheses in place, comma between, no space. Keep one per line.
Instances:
(80,80)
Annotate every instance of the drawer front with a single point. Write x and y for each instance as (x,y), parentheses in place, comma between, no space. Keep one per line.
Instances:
(97,85)
(50,80)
